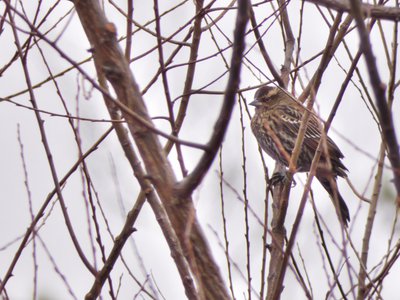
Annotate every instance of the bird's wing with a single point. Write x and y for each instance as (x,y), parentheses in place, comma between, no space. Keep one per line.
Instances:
(291,122)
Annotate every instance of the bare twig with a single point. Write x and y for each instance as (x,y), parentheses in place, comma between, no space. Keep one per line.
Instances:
(224,225)
(186,186)
(146,192)
(385,115)
(362,274)
(197,31)
(109,59)
(47,149)
(42,209)
(263,50)
(276,289)
(370,10)
(288,42)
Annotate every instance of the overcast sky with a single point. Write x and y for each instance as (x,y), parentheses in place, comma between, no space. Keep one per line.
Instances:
(353,129)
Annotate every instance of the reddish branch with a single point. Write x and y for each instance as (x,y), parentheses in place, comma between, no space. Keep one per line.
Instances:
(146,192)
(109,58)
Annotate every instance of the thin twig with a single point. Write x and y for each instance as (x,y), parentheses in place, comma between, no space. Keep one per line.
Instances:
(362,274)
(277,287)
(48,150)
(263,50)
(385,115)
(186,186)
(109,59)
(42,209)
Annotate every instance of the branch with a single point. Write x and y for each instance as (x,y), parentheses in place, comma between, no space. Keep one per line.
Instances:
(330,49)
(385,270)
(275,288)
(109,58)
(369,10)
(280,195)
(146,192)
(194,49)
(42,209)
(385,115)
(362,273)
(289,41)
(187,185)
(263,50)
(46,146)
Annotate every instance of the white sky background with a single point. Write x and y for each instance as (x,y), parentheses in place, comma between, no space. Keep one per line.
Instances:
(112,177)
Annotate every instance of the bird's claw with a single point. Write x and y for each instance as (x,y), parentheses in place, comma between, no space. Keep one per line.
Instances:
(276,178)
(280,177)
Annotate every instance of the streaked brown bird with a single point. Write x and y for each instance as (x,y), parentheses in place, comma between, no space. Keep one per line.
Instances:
(276,124)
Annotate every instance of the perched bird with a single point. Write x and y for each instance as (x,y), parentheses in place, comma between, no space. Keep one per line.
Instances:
(276,124)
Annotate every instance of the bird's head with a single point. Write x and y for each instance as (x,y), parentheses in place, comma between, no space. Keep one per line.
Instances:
(266,95)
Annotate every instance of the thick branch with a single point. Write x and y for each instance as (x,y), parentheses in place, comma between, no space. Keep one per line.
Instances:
(109,58)
(128,228)
(369,10)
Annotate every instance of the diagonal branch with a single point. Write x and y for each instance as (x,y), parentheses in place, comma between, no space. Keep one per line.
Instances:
(263,50)
(109,58)
(146,192)
(275,290)
(385,115)
(45,204)
(187,185)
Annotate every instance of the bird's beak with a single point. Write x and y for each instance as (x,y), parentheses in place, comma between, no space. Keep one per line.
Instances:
(255,102)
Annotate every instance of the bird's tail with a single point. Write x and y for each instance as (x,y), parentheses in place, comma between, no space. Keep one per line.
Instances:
(343,209)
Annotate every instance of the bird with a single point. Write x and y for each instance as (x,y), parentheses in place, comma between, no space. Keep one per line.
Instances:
(276,123)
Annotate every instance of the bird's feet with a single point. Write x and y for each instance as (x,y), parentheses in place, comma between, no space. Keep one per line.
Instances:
(280,177)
